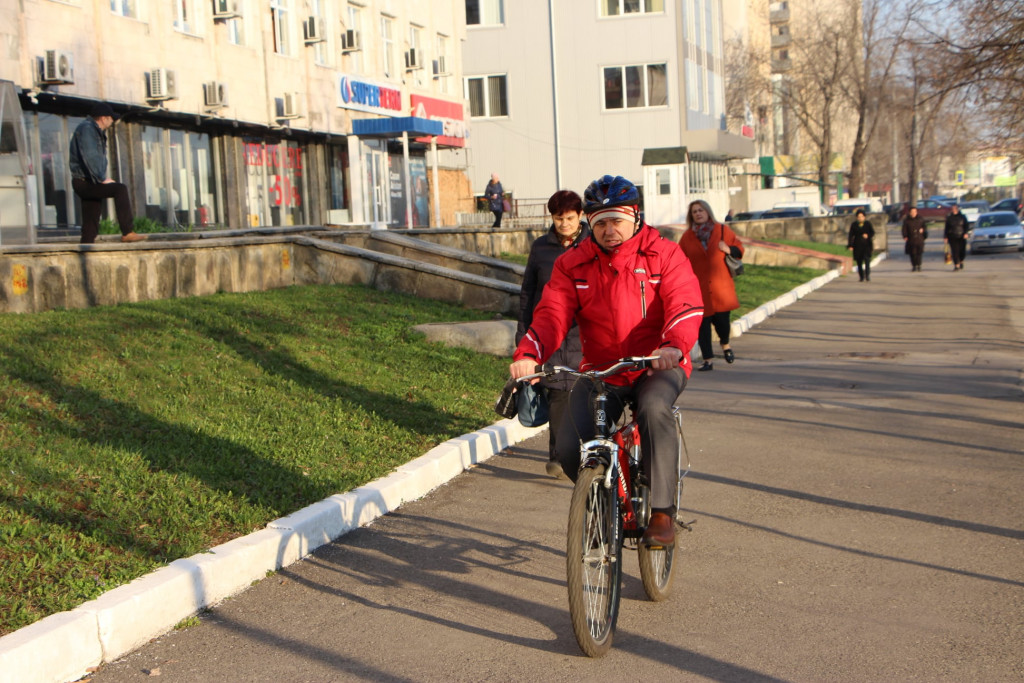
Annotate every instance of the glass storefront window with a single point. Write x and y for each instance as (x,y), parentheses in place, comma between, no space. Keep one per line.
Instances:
(154,171)
(275,185)
(57,198)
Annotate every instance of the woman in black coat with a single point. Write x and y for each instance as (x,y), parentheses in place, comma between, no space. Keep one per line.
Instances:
(567,230)
(914,235)
(862,242)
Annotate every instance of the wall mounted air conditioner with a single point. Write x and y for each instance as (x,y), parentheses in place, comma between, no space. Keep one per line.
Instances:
(58,67)
(351,41)
(413,60)
(215,94)
(440,67)
(225,9)
(291,106)
(160,85)
(313,30)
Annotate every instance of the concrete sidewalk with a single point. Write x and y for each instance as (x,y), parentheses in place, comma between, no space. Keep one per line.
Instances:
(126,617)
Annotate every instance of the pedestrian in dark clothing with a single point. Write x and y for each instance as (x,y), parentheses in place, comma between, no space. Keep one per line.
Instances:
(88,161)
(914,235)
(956,237)
(861,241)
(567,230)
(495,199)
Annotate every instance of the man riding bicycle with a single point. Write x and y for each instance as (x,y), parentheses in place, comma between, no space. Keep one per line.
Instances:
(632,293)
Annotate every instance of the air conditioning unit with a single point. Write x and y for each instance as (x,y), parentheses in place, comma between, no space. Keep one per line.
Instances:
(160,85)
(215,94)
(58,67)
(440,67)
(413,60)
(313,30)
(291,106)
(351,41)
(225,9)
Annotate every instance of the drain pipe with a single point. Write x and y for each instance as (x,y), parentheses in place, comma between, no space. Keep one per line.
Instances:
(554,93)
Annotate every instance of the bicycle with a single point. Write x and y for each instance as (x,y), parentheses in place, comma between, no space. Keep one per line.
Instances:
(610,509)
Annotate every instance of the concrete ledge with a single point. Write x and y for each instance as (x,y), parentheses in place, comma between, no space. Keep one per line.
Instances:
(61,647)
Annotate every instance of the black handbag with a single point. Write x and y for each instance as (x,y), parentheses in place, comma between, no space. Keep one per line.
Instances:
(533,405)
(507,404)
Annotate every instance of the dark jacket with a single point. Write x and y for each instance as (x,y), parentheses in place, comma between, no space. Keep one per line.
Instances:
(497,203)
(637,298)
(862,246)
(914,230)
(543,252)
(88,152)
(956,226)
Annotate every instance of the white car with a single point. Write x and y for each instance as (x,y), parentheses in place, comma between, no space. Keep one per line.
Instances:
(974,208)
(996,231)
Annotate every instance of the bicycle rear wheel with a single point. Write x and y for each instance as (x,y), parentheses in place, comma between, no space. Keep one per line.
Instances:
(594,562)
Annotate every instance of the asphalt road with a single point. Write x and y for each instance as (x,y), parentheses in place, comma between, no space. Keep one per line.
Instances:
(858,485)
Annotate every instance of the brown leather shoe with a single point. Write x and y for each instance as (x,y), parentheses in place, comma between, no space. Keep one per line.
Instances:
(133,237)
(661,531)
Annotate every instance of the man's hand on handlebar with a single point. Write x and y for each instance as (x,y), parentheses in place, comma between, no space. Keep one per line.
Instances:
(667,357)
(522,368)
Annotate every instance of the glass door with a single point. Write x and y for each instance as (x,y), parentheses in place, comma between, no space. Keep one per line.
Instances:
(376,193)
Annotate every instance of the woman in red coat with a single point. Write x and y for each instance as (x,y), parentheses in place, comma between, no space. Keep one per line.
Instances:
(705,243)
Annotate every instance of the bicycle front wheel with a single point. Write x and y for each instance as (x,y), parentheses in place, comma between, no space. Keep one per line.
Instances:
(656,570)
(594,562)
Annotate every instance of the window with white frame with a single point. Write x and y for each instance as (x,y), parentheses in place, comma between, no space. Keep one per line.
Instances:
(281,18)
(692,96)
(236,26)
(635,86)
(663,178)
(487,96)
(443,65)
(126,8)
(485,12)
(355,23)
(387,45)
(323,50)
(186,16)
(416,48)
(614,8)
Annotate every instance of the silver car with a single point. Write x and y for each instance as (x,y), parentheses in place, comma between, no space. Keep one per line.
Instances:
(996,231)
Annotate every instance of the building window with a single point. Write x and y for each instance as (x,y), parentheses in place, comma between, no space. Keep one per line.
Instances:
(355,23)
(416,47)
(485,12)
(126,8)
(664,179)
(281,18)
(487,96)
(387,46)
(630,87)
(614,8)
(323,50)
(443,64)
(236,27)
(186,18)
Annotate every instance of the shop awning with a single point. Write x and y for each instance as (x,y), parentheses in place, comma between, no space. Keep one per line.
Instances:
(394,127)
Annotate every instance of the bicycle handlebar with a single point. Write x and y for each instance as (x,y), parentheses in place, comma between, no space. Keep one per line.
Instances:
(630,363)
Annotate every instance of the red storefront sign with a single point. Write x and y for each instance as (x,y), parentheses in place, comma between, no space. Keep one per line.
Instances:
(450,114)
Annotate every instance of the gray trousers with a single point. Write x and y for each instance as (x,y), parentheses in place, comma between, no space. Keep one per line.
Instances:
(659,441)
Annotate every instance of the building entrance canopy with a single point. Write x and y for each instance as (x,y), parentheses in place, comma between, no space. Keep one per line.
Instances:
(395,127)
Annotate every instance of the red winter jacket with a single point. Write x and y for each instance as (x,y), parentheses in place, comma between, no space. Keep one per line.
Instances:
(639,298)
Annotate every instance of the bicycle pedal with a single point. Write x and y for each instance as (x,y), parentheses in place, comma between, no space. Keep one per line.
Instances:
(686,525)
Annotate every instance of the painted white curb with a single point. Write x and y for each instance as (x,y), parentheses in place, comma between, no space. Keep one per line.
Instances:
(65,646)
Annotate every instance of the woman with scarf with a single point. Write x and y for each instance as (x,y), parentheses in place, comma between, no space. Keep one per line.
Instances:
(705,243)
(567,230)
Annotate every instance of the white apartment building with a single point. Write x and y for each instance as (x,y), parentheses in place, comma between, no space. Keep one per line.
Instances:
(249,112)
(563,92)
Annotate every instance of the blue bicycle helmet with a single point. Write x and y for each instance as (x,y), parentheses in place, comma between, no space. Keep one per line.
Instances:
(609,191)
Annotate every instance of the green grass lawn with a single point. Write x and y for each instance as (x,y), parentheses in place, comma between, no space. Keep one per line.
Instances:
(134,435)
(836,249)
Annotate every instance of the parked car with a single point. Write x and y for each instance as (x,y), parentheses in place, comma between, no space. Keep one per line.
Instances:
(928,209)
(746,216)
(974,208)
(845,207)
(996,231)
(784,213)
(1011,204)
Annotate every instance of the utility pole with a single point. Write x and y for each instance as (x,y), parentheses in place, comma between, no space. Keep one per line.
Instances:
(895,167)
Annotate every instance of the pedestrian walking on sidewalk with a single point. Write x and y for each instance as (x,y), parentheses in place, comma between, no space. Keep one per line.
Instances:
(956,237)
(706,243)
(88,161)
(567,230)
(861,241)
(914,235)
(495,195)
